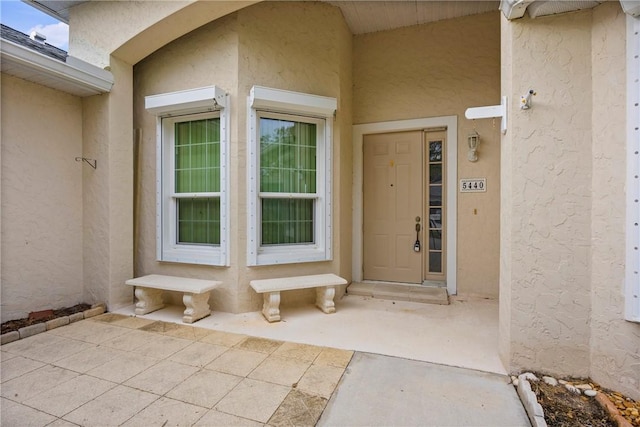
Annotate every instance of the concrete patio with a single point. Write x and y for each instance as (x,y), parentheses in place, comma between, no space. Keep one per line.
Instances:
(462,334)
(116,369)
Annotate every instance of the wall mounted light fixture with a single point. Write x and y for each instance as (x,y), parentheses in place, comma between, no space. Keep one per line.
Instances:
(473,140)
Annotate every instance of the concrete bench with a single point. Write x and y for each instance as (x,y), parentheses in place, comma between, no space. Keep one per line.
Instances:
(325,285)
(148,290)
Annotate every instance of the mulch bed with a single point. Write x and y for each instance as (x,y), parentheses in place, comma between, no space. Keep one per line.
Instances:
(42,316)
(563,408)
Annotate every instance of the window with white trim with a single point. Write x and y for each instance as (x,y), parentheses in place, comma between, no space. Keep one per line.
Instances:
(290,139)
(192,208)
(632,288)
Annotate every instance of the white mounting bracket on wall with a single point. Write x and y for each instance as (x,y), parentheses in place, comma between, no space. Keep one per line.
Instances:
(489,112)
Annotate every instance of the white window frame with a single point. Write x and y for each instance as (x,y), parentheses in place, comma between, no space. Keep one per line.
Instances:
(276,103)
(632,285)
(170,108)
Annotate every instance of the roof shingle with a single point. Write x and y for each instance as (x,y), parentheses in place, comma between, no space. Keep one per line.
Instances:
(22,39)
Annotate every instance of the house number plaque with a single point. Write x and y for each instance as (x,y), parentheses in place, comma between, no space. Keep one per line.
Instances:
(473,185)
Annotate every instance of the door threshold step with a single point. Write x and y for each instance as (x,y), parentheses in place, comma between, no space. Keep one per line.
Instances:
(400,292)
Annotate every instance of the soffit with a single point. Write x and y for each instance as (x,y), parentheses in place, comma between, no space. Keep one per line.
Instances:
(362,16)
(371,16)
(57,8)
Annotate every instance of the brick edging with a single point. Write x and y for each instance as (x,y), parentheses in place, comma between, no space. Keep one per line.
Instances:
(27,331)
(608,405)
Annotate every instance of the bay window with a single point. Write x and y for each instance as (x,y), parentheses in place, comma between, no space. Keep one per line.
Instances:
(289,202)
(192,217)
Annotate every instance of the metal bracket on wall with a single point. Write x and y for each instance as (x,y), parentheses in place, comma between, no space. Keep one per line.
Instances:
(91,162)
(489,112)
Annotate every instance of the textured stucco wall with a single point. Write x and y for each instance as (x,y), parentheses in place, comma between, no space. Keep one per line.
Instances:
(108,192)
(506,192)
(563,200)
(134,29)
(292,46)
(207,56)
(615,343)
(548,238)
(303,47)
(441,69)
(41,198)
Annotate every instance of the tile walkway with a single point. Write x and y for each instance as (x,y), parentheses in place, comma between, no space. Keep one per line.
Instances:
(119,370)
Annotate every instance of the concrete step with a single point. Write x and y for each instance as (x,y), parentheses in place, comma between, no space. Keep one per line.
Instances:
(400,292)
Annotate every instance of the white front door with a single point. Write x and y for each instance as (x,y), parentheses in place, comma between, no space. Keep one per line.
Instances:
(392,205)
(404,207)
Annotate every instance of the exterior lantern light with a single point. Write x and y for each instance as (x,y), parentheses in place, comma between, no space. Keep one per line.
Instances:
(473,140)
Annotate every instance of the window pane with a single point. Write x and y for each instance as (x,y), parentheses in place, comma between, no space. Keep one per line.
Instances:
(435,151)
(435,218)
(435,173)
(435,262)
(199,221)
(435,240)
(435,195)
(197,156)
(287,156)
(287,221)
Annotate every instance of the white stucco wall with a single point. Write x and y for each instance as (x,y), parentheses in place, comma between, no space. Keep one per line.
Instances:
(548,237)
(293,46)
(441,69)
(563,199)
(615,343)
(41,198)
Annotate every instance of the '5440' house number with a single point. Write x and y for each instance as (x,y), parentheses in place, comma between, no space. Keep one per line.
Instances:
(473,185)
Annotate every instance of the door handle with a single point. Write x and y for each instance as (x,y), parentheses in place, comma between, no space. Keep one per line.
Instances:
(416,245)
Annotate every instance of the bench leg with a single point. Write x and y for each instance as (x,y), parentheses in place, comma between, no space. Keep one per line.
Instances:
(197,306)
(271,306)
(324,299)
(148,300)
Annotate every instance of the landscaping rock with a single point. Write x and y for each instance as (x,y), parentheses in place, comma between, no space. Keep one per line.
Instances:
(550,380)
(590,393)
(529,376)
(572,388)
(584,387)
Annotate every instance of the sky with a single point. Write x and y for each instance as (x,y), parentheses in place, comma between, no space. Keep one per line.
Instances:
(24,18)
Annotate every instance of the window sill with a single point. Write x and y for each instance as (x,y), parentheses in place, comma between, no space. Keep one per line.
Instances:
(289,255)
(199,256)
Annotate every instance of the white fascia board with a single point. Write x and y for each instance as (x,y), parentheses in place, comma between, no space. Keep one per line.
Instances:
(189,101)
(284,101)
(74,71)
